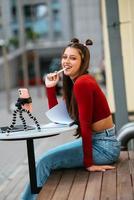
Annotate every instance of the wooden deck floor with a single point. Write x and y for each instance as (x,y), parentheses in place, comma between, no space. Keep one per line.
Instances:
(78,184)
(117,184)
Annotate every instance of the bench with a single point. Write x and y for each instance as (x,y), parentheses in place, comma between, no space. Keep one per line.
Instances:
(71,184)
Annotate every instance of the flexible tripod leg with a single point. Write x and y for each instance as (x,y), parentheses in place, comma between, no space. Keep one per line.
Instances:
(13,120)
(22,119)
(20,110)
(33,118)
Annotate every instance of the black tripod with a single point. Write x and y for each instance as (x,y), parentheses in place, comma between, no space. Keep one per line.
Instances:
(20,110)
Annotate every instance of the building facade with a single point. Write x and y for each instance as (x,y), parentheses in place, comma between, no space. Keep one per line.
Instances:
(51,23)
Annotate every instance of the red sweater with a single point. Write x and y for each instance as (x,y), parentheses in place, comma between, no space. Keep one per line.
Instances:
(92,107)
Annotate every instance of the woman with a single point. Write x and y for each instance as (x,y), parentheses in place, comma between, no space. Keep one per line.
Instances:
(96,148)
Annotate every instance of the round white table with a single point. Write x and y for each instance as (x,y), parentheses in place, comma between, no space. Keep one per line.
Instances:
(29,136)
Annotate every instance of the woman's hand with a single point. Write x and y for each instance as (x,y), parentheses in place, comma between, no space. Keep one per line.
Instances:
(51,79)
(102,168)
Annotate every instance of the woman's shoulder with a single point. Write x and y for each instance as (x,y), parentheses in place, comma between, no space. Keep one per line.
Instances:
(85,79)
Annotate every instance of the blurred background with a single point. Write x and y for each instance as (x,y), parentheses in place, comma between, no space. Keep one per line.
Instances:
(33,34)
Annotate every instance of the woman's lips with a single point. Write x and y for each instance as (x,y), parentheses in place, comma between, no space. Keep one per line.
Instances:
(68,67)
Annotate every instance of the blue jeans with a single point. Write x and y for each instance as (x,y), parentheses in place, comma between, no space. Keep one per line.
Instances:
(106,150)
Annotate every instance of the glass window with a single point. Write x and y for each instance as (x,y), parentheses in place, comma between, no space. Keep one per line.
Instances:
(13,10)
(56,20)
(56,5)
(41,10)
(36,19)
(28,12)
(57,24)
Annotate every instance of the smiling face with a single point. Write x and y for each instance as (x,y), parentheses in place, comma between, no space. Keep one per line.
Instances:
(71,61)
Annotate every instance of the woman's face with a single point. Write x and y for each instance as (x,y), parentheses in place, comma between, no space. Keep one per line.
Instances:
(71,61)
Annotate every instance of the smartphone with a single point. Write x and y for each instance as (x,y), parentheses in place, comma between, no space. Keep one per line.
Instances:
(24,94)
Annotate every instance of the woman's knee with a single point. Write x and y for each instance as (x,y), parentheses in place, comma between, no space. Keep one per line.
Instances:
(43,170)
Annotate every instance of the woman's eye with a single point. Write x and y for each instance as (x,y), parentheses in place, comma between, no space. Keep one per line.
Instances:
(64,57)
(73,58)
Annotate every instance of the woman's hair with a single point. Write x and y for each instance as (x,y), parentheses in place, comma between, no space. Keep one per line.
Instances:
(68,83)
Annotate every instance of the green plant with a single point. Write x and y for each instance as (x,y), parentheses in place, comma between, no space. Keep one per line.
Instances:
(13,42)
(31,35)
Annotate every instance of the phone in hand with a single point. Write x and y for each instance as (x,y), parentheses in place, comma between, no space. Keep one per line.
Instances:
(24,94)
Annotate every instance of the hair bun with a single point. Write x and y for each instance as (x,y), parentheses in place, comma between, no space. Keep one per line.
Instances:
(88,42)
(75,40)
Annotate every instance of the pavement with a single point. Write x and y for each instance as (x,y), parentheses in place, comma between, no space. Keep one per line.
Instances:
(14,154)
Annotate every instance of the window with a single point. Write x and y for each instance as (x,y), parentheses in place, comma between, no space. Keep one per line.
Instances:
(56,19)
(36,18)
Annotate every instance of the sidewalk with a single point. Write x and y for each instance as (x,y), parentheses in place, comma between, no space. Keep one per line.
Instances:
(13,155)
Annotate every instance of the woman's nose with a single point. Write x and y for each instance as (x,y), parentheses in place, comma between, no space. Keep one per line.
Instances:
(68,60)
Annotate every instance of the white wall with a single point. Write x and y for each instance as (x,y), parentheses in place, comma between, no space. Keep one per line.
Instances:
(126,14)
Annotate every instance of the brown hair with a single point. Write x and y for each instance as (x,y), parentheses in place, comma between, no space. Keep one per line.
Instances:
(68,83)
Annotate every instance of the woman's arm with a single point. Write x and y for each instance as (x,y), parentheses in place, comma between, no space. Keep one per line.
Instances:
(51,95)
(50,82)
(84,98)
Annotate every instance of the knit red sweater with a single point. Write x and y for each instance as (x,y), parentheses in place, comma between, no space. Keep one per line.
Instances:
(92,107)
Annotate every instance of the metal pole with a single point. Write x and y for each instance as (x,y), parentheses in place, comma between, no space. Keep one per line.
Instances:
(25,69)
(22,43)
(6,75)
(37,72)
(121,114)
(32,169)
(51,28)
(36,60)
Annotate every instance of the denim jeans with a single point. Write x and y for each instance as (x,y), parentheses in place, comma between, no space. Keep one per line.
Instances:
(106,150)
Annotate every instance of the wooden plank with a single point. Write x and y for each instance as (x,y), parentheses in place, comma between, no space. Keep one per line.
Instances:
(108,191)
(64,186)
(71,184)
(79,185)
(50,186)
(124,185)
(94,186)
(131,164)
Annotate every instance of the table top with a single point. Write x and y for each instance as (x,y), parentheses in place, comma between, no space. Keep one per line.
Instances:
(46,131)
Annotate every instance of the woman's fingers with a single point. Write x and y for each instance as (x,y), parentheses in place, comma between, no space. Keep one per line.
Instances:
(51,79)
(108,167)
(52,76)
(103,168)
